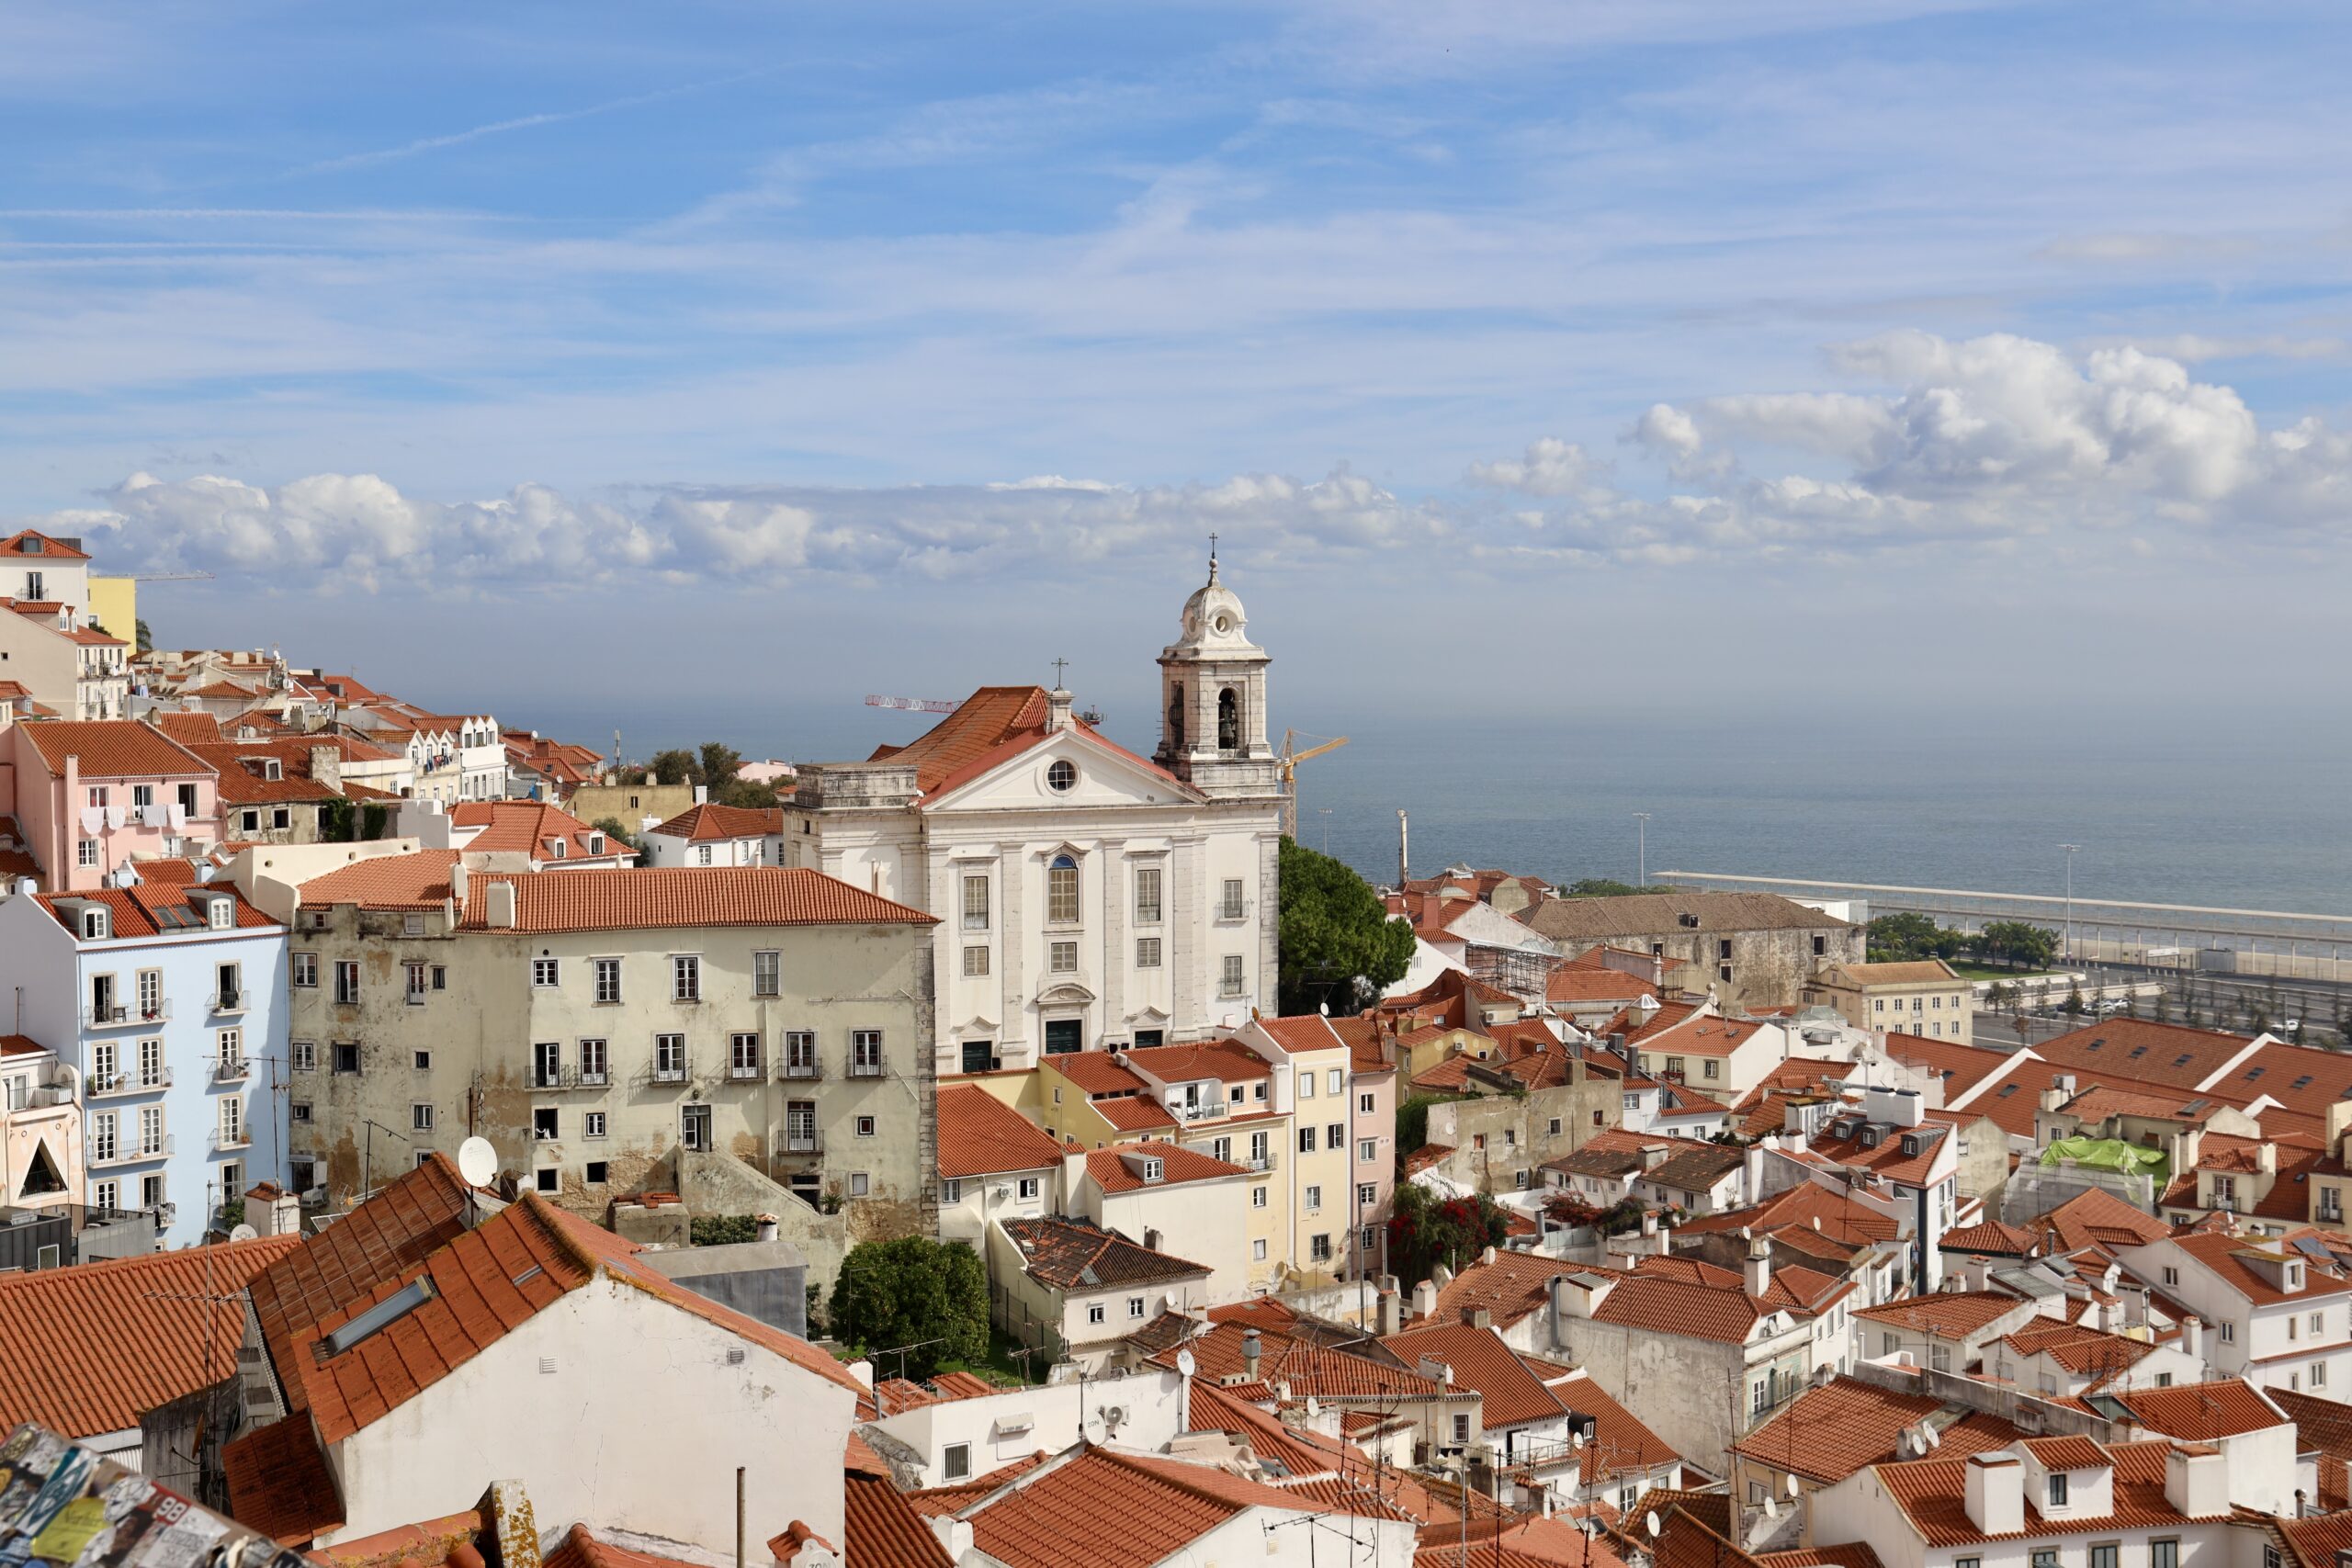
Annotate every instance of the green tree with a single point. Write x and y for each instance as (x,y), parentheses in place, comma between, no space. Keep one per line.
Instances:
(718,765)
(1894,938)
(611,830)
(1425,1230)
(722,1230)
(1338,944)
(146,639)
(927,1298)
(2019,943)
(674,767)
(2073,1002)
(1601,888)
(743,793)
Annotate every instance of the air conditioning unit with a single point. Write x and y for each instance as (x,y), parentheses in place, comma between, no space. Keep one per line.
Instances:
(1114,1414)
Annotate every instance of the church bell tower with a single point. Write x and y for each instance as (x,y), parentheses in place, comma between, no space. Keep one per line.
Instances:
(1213,699)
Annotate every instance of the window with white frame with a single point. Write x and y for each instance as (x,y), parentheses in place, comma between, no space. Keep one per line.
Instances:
(608,980)
(865,1053)
(976,959)
(975,903)
(1061,957)
(1134,1308)
(303,970)
(306,1055)
(592,1125)
(595,1063)
(668,1058)
(1147,896)
(1097,1313)
(1147,952)
(1230,905)
(1061,891)
(956,1461)
(420,1116)
(1027,1188)
(347,980)
(1229,983)
(743,1055)
(767,973)
(1367,1150)
(685,978)
(544,971)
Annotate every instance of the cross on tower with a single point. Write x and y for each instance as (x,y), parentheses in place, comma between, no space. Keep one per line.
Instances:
(1212,552)
(1058,665)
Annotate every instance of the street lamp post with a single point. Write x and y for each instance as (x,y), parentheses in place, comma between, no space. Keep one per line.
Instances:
(1642,849)
(2072,850)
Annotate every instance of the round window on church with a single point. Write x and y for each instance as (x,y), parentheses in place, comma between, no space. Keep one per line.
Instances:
(1061,775)
(1224,624)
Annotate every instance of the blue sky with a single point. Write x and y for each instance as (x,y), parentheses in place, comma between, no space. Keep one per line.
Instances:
(855,342)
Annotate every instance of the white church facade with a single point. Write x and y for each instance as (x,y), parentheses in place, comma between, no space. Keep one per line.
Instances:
(1089,898)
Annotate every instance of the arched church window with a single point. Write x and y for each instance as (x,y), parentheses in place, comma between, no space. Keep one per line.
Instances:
(1061,891)
(1176,713)
(1228,720)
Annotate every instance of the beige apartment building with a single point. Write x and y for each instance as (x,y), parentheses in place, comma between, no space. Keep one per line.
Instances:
(595,1026)
(1919,998)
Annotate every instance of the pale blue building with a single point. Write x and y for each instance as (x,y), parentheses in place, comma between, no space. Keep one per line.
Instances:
(168,997)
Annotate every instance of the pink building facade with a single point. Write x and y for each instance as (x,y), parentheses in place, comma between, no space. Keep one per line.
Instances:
(89,797)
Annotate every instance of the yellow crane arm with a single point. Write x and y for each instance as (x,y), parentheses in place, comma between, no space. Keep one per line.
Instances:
(1291,762)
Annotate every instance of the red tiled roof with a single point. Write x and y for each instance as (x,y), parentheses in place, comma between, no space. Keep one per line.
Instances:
(1111,1171)
(1932,1494)
(1662,1304)
(279,1483)
(647,898)
(1510,1395)
(1308,1367)
(881,1529)
(2227,1257)
(1068,1255)
(2096,1217)
(1947,1314)
(1705,1036)
(1304,1031)
(1988,1237)
(2077,1348)
(582,1549)
(133,909)
(414,881)
(2171,1054)
(710,821)
(1228,1061)
(1133,1112)
(981,1136)
(113,748)
(429,1544)
(531,827)
(938,1502)
(1096,1072)
(1513,1285)
(66,1335)
(1847,1554)
(1962,1067)
(1847,1424)
(188,728)
(2207,1412)
(52,547)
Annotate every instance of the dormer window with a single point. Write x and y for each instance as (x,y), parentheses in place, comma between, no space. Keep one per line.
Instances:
(219,914)
(595,844)
(2058,1490)
(2294,1276)
(272,769)
(1910,1144)
(94,925)
(557,846)
(1153,1169)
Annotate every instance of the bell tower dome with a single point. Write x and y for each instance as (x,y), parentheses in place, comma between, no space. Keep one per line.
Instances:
(1213,699)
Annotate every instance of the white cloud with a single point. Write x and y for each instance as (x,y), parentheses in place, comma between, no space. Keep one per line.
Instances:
(1551,467)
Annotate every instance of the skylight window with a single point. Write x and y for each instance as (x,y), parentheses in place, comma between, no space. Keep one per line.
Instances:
(2303,1082)
(382,1316)
(2181,1060)
(2252,1074)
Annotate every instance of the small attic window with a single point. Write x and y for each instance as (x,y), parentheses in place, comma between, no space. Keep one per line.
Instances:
(2303,1082)
(94,925)
(595,844)
(380,1316)
(1910,1144)
(2253,1074)
(558,848)
(272,769)
(219,914)
(1154,1170)
(2181,1060)
(34,545)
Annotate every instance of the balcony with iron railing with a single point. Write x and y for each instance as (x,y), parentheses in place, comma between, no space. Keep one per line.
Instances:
(801,1142)
(866,1069)
(232,1069)
(571,1078)
(131,1155)
(118,1015)
(673,1073)
(745,1072)
(1199,1109)
(113,1085)
(808,1070)
(225,1138)
(232,999)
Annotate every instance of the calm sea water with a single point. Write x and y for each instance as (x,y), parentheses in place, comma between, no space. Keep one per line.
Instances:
(2236,809)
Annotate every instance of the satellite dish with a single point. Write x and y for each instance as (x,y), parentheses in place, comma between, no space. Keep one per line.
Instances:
(1649,1523)
(1771,1509)
(1313,1409)
(1792,1481)
(477,1161)
(243,1233)
(1185,1363)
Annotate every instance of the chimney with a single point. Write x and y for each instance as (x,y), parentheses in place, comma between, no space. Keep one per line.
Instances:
(955,1534)
(2192,1338)
(2266,1157)
(1664,1238)
(1058,702)
(1425,1300)
(767,1224)
(1437,1371)
(457,882)
(2197,1482)
(1759,1266)
(1250,1351)
(2106,1315)
(498,905)
(1654,1156)
(1477,1317)
(1995,1496)
(1391,1310)
(326,768)
(1751,1173)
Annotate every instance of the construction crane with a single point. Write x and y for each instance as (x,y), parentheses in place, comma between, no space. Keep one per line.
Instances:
(911,705)
(168,576)
(1286,766)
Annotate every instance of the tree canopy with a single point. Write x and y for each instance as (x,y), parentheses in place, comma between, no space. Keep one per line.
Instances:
(930,1298)
(1338,944)
(1602,888)
(1425,1230)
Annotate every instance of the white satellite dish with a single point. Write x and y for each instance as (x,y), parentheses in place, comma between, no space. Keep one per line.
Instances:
(1185,1363)
(243,1233)
(477,1161)
(1771,1509)
(1313,1409)
(1649,1523)
(1792,1481)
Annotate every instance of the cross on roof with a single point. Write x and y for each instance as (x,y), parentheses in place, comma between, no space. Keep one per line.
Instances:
(1058,665)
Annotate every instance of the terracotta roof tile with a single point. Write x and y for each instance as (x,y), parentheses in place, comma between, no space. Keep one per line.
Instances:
(416,881)
(939,1502)
(532,828)
(644,898)
(1988,1237)
(881,1529)
(1511,1395)
(1069,1256)
(710,821)
(2231,1259)
(1931,1494)
(429,1544)
(50,546)
(279,1483)
(1133,1113)
(1847,1424)
(981,1136)
(581,1548)
(1304,1031)
(114,747)
(1113,1173)
(2170,1054)
(1949,1315)
(2097,1217)
(1228,1061)
(2207,1412)
(1096,1072)
(134,910)
(63,1334)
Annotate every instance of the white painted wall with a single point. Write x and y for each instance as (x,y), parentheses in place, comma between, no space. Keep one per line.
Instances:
(1005,1427)
(639,1425)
